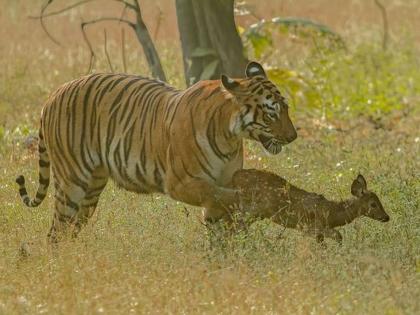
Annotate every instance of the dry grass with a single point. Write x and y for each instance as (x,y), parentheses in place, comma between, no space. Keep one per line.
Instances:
(146,254)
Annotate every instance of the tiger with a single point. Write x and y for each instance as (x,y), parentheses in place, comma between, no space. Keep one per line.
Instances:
(150,137)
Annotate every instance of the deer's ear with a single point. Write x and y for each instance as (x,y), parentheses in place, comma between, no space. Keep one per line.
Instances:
(253,69)
(359,186)
(228,83)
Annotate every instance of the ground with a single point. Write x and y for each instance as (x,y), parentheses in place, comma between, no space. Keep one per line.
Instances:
(150,254)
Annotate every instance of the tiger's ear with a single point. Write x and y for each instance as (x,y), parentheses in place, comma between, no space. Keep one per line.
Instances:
(253,69)
(228,83)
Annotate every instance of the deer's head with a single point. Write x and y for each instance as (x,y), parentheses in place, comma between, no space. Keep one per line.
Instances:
(370,204)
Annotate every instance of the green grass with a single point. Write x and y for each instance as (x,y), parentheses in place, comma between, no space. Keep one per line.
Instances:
(150,254)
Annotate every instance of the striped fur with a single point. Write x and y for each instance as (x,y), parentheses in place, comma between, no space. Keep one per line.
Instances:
(149,137)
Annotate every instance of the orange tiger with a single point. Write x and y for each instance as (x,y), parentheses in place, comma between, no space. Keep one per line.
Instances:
(150,137)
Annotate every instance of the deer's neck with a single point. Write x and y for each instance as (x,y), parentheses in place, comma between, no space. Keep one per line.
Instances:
(345,212)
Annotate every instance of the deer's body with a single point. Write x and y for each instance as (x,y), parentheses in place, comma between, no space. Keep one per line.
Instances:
(266,195)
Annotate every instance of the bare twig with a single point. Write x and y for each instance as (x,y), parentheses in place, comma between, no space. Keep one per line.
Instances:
(44,15)
(106,53)
(123,50)
(127,4)
(385,24)
(124,10)
(41,20)
(92,53)
(86,39)
(159,20)
(138,26)
(129,23)
(74,5)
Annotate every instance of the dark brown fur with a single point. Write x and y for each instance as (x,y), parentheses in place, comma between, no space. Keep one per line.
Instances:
(266,195)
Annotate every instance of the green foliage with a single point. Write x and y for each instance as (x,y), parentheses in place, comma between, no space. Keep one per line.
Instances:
(331,81)
(260,35)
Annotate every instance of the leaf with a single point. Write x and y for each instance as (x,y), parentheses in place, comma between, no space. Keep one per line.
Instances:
(293,82)
(260,34)
(203,52)
(260,43)
(209,70)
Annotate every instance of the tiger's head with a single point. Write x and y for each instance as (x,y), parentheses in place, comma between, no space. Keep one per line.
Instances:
(263,114)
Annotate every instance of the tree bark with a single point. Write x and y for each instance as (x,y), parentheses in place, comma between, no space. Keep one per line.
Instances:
(210,42)
(189,39)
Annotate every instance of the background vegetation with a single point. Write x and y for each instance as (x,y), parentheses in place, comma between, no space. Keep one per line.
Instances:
(357,110)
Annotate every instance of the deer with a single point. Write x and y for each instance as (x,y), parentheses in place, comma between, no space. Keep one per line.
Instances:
(264,195)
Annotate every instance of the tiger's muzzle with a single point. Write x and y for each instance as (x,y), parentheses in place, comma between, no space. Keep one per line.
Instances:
(271,144)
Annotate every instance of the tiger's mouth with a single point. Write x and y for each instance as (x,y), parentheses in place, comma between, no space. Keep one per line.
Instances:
(272,145)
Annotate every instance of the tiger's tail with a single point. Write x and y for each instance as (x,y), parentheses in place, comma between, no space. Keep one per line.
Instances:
(44,177)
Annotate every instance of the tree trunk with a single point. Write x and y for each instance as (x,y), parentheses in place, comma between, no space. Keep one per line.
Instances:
(210,42)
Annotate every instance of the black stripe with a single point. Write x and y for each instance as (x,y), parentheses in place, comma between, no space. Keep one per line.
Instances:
(83,127)
(158,179)
(62,218)
(43,163)
(140,177)
(67,202)
(91,204)
(205,169)
(215,91)
(199,148)
(255,88)
(22,192)
(143,156)
(96,105)
(128,141)
(40,196)
(114,84)
(212,134)
(71,123)
(44,181)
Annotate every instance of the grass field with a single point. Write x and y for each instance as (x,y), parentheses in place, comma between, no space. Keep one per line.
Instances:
(150,254)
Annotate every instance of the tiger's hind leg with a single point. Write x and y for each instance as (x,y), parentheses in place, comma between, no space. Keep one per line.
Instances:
(67,204)
(89,202)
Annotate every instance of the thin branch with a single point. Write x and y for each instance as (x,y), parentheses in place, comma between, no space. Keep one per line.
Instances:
(124,10)
(92,53)
(129,23)
(61,10)
(41,19)
(123,50)
(159,20)
(107,54)
(385,24)
(74,5)
(127,4)
(86,39)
